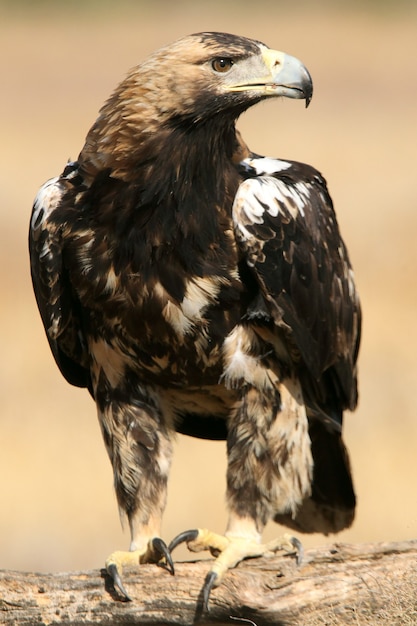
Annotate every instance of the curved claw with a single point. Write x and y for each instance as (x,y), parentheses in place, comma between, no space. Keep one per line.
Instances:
(184,537)
(161,549)
(117,580)
(299,549)
(208,586)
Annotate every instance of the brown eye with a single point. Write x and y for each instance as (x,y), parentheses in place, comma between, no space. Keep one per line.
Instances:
(222,65)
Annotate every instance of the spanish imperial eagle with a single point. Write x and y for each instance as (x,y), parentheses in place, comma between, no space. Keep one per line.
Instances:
(194,286)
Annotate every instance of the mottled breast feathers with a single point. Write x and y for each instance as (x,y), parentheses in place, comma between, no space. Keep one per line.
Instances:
(167,232)
(298,277)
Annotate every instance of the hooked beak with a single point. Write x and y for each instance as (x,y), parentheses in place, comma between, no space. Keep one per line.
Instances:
(285,76)
(290,78)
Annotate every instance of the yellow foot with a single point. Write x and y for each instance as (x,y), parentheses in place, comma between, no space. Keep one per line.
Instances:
(156,551)
(230,550)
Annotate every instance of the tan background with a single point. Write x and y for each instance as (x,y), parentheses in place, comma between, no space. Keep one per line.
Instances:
(57,66)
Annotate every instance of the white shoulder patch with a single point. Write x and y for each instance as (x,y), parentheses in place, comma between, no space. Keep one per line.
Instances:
(261,194)
(253,198)
(265,165)
(260,198)
(47,198)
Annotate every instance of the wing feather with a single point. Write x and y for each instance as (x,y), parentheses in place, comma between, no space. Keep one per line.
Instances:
(57,303)
(287,229)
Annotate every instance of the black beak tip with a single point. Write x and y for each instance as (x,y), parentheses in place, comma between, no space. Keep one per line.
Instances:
(308,88)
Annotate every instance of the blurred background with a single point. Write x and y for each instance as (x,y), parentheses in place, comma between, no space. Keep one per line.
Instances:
(58,62)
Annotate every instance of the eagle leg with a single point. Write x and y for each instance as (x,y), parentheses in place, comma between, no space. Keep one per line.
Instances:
(156,551)
(230,550)
(139,445)
(269,457)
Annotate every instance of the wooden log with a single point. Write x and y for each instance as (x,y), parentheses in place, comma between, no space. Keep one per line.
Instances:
(338,584)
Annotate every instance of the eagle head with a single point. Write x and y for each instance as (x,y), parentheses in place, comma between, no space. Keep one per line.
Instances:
(204,77)
(215,73)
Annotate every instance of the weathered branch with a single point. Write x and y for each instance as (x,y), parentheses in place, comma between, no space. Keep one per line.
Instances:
(340,584)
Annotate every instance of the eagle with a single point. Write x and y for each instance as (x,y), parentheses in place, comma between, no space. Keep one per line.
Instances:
(196,287)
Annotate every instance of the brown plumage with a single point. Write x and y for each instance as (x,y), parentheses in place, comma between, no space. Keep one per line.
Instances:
(193,286)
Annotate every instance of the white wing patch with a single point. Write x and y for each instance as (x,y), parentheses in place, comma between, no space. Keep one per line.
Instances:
(50,194)
(253,198)
(47,199)
(265,196)
(257,196)
(265,165)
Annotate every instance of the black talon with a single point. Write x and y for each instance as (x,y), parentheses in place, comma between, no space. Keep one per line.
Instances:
(187,535)
(114,573)
(299,549)
(208,586)
(162,550)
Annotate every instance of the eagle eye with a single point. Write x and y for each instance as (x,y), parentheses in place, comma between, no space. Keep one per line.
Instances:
(221,64)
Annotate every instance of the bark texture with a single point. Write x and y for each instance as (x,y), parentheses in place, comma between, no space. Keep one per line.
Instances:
(339,584)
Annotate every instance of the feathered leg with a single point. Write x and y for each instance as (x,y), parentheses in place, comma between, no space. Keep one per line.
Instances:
(269,462)
(138,442)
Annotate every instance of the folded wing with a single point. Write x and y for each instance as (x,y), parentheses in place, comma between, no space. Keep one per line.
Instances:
(57,303)
(287,229)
